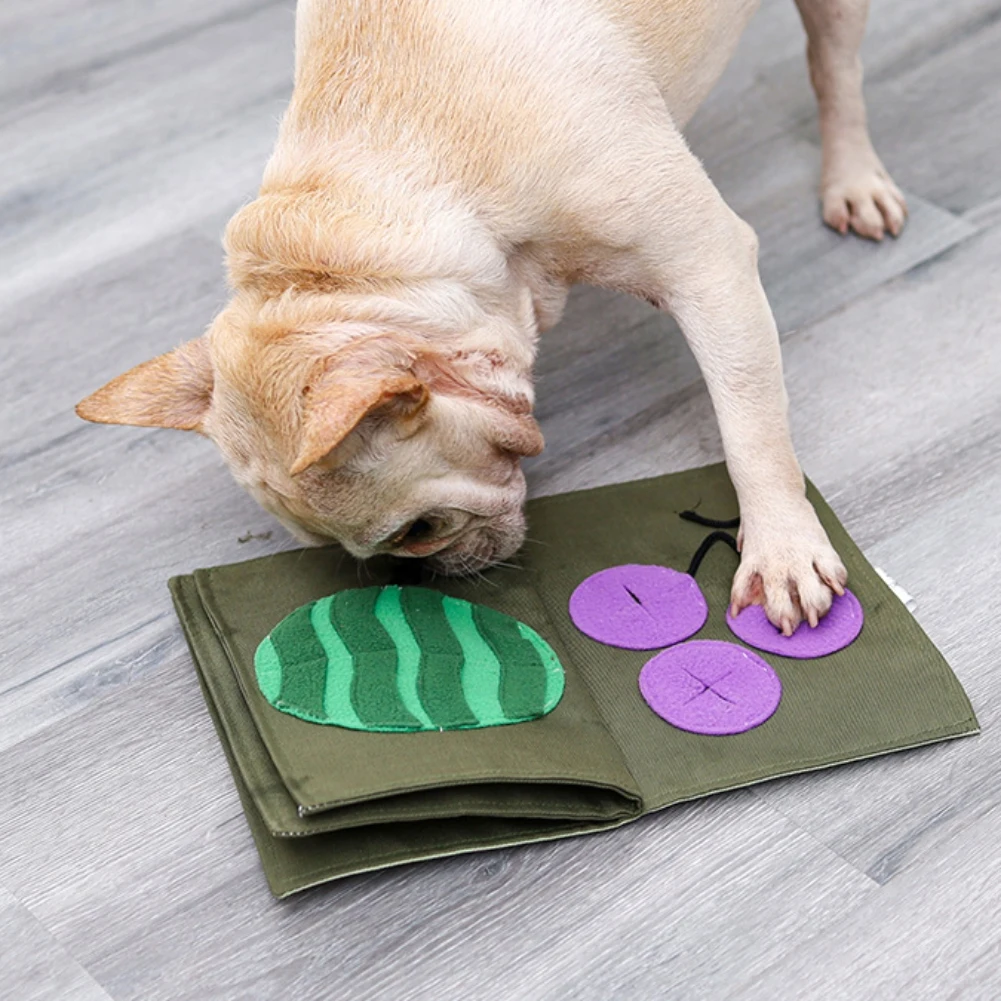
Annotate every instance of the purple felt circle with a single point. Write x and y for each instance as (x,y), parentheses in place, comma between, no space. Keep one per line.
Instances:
(839,627)
(638,607)
(710,687)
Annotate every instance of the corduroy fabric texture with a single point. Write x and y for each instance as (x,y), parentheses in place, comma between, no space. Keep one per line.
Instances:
(325,801)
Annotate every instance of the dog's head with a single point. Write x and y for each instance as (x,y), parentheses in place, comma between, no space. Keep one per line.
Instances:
(373,438)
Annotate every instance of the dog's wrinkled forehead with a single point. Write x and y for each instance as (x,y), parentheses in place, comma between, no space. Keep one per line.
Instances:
(356,447)
(312,391)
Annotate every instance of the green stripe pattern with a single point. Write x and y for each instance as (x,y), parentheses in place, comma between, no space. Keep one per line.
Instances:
(406,659)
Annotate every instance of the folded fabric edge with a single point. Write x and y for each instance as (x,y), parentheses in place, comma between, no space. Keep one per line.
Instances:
(194,598)
(487,787)
(283,885)
(283,889)
(609,803)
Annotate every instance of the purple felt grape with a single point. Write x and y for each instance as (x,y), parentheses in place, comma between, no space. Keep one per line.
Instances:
(839,627)
(638,607)
(710,687)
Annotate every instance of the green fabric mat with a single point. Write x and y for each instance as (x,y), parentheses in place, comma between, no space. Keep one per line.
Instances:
(325,802)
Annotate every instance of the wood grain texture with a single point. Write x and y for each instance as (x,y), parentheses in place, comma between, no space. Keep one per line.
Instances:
(140,144)
(136,135)
(931,933)
(35,966)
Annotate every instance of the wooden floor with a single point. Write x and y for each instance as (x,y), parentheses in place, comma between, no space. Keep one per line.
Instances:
(129,134)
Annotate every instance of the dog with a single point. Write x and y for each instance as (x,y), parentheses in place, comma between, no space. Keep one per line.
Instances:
(445,171)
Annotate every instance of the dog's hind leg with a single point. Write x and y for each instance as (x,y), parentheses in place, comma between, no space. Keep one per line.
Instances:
(855,189)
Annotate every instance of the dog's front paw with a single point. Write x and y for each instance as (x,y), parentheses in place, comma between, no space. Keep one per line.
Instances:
(790,569)
(858,193)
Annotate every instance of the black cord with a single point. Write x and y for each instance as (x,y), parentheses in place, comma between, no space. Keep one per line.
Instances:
(707,543)
(709,522)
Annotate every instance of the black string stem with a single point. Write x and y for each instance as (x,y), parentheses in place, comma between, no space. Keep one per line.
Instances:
(701,519)
(707,543)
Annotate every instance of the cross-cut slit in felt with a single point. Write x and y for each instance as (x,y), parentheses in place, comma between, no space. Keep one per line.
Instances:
(710,687)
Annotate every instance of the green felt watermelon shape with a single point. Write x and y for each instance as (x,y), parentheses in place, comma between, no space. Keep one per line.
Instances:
(406,658)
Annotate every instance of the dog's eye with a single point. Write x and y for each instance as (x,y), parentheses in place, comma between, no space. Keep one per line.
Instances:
(416,531)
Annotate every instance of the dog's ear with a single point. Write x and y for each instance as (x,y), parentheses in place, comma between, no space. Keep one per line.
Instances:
(173,390)
(339,403)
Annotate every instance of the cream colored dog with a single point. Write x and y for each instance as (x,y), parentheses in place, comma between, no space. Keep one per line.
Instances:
(445,171)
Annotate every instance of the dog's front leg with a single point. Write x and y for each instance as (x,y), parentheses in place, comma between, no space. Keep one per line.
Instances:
(787,563)
(696,258)
(855,188)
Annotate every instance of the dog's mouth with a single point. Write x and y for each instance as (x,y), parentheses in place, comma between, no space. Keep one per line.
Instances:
(467,554)
(479,549)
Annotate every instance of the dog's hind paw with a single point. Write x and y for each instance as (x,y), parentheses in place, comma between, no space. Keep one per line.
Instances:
(857,193)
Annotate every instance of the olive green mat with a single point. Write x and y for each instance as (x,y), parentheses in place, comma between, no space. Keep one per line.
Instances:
(325,801)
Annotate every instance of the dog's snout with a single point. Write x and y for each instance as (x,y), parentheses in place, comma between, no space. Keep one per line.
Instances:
(483,547)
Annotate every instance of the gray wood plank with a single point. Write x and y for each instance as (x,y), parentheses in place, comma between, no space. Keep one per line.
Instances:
(99,490)
(891,816)
(938,115)
(142,148)
(807,269)
(115,315)
(35,966)
(127,807)
(903,356)
(931,934)
(609,361)
(124,818)
(922,497)
(76,627)
(56,46)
